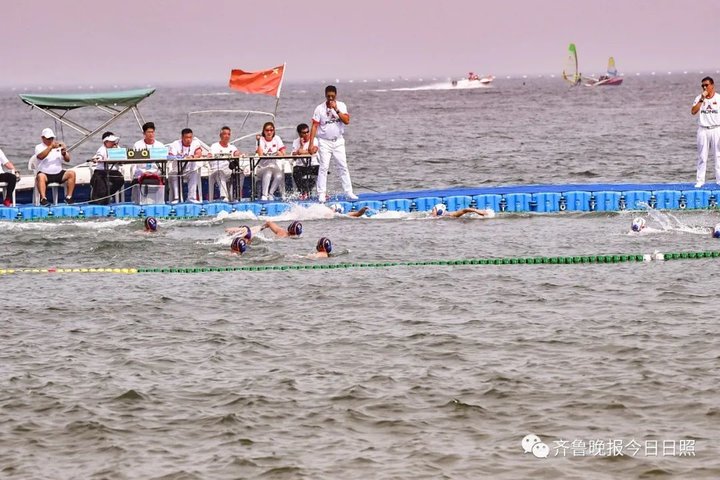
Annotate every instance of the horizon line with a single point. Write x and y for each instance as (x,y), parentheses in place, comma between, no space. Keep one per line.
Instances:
(375,79)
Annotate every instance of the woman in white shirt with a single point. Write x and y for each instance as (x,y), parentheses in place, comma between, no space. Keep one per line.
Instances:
(270,144)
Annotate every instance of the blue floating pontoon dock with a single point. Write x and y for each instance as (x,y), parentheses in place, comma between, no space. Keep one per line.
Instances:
(599,197)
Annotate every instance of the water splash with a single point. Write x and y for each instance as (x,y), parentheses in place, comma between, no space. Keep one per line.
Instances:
(670,223)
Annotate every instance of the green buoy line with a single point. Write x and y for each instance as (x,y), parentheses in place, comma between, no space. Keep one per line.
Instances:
(552,260)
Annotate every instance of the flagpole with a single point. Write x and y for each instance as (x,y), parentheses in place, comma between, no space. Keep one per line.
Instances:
(277,99)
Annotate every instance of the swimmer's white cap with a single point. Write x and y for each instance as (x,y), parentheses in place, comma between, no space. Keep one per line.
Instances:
(638,224)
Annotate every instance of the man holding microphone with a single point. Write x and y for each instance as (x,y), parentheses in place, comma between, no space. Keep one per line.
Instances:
(328,124)
(708,133)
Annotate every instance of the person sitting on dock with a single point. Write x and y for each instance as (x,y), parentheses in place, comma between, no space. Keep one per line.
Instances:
(148,141)
(440,210)
(105,173)
(186,147)
(269,144)
(293,230)
(50,155)
(220,171)
(8,175)
(305,170)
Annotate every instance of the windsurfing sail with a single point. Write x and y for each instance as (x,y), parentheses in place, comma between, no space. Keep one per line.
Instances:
(611,71)
(570,70)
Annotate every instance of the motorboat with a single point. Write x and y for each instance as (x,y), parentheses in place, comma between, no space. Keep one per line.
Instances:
(473,80)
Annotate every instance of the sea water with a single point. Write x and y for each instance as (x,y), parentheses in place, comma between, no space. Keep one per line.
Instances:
(399,372)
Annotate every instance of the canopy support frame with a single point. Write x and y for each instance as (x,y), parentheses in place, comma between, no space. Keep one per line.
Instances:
(86,132)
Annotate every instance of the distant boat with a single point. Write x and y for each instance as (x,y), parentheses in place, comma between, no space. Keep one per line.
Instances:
(570,70)
(610,78)
(473,80)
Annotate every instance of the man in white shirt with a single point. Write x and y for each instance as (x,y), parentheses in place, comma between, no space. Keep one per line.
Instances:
(328,125)
(105,174)
(8,175)
(50,155)
(305,170)
(148,141)
(220,171)
(187,147)
(708,134)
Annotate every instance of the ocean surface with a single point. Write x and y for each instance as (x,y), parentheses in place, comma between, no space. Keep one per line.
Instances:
(389,373)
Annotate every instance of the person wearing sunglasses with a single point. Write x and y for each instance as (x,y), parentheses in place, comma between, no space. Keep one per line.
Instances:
(707,104)
(268,145)
(305,170)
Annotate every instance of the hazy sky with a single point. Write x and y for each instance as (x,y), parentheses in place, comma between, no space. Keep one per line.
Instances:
(138,42)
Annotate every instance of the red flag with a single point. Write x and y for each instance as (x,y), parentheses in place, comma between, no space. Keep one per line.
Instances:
(267,82)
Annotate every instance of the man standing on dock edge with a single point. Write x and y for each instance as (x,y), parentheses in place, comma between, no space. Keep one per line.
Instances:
(708,133)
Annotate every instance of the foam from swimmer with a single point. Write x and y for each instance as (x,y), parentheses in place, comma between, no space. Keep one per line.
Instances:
(656,256)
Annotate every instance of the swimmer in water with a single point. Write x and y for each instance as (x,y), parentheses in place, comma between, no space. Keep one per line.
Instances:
(293,230)
(440,210)
(638,224)
(338,208)
(243,231)
(150,224)
(323,248)
(238,245)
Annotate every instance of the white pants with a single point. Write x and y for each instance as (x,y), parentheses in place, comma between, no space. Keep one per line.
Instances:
(336,150)
(271,172)
(708,140)
(221,178)
(193,181)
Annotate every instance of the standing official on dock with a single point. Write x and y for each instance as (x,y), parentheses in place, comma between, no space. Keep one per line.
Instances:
(328,124)
(708,133)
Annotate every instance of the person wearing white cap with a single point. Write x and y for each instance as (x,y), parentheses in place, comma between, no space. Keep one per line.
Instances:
(440,210)
(338,208)
(105,174)
(50,155)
